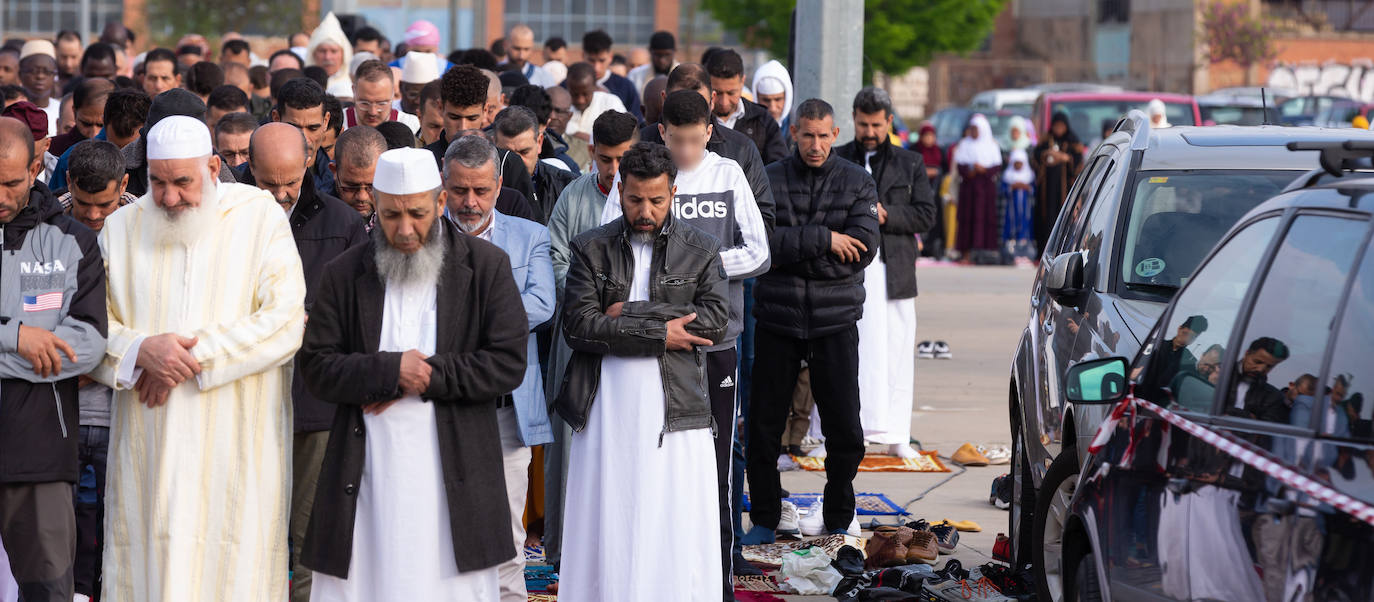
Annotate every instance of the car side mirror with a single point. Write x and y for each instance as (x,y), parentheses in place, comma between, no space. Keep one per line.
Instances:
(1096,381)
(1064,279)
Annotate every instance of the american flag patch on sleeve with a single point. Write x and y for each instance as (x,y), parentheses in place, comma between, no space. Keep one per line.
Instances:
(43,302)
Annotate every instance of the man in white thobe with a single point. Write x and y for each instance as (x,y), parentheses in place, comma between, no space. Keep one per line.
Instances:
(645,293)
(416,336)
(206,304)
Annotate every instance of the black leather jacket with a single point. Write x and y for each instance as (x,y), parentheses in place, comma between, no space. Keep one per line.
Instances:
(687,278)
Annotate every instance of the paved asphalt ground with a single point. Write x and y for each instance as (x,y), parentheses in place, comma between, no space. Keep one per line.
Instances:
(980,312)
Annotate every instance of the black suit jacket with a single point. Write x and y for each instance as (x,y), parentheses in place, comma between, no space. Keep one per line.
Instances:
(481,341)
(905,194)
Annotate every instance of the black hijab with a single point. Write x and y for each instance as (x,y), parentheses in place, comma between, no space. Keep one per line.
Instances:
(1069,137)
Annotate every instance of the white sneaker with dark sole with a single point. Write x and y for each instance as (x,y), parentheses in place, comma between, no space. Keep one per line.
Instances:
(925,350)
(787,521)
(942,351)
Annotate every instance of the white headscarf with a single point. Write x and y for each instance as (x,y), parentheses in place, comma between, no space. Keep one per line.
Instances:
(1019,123)
(1156,107)
(982,150)
(774,71)
(1024,175)
(330,31)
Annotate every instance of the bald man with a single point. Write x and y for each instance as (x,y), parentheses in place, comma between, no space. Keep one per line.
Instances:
(519,50)
(324,227)
(495,99)
(53,285)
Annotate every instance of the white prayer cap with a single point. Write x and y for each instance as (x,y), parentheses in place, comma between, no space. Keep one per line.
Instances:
(340,89)
(359,59)
(406,171)
(33,47)
(179,137)
(769,85)
(420,68)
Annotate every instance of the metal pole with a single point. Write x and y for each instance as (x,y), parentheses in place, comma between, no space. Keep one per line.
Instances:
(84,21)
(829,56)
(479,23)
(452,27)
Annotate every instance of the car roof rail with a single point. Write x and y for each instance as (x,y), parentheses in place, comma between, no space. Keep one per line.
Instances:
(1137,124)
(1338,157)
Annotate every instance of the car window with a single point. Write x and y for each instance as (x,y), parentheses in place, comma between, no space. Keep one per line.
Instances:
(1176,217)
(1091,233)
(1086,116)
(1077,204)
(1349,407)
(1182,370)
(1290,322)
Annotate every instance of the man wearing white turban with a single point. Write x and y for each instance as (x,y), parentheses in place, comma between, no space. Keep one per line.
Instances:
(330,50)
(206,307)
(418,336)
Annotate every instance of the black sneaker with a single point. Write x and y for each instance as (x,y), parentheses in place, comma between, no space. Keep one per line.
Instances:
(946,537)
(795,450)
(744,568)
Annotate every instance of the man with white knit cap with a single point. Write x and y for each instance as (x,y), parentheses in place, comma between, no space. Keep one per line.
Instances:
(206,308)
(421,68)
(416,335)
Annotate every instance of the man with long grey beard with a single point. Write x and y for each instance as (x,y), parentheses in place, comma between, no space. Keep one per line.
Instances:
(416,335)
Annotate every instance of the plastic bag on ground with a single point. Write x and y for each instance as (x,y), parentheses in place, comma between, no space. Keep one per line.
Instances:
(809,572)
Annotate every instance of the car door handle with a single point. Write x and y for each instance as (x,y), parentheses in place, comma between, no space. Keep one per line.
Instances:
(1035,300)
(1048,325)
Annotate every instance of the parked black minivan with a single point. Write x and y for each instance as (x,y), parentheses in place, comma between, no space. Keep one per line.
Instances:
(1238,461)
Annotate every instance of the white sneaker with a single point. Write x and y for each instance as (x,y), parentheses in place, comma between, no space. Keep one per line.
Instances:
(942,351)
(813,523)
(925,350)
(787,521)
(81,598)
(819,452)
(854,528)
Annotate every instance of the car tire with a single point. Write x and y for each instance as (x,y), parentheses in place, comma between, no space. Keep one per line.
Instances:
(1051,512)
(1086,587)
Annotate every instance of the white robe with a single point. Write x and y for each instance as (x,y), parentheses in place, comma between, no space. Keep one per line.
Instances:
(198,489)
(402,540)
(887,352)
(625,491)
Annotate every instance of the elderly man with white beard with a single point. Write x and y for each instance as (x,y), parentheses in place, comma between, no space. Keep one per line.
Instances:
(417,335)
(206,306)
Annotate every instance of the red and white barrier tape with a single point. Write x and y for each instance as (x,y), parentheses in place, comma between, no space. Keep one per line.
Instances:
(1243,451)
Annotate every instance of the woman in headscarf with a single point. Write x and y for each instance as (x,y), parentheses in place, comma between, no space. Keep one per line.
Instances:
(1056,161)
(1018,188)
(932,242)
(977,158)
(1018,134)
(1157,117)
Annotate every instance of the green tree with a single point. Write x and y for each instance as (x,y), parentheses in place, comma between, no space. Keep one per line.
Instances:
(171,19)
(1231,33)
(898,34)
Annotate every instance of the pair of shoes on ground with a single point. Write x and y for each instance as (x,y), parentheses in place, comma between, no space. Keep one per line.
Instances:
(928,350)
(792,523)
(969,454)
(946,535)
(893,545)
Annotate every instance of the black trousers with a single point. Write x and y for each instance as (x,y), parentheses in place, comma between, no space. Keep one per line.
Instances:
(720,382)
(38,529)
(834,363)
(90,510)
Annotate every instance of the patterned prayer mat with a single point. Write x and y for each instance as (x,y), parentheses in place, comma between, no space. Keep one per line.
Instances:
(770,555)
(534,554)
(925,461)
(870,504)
(538,577)
(543,598)
(756,583)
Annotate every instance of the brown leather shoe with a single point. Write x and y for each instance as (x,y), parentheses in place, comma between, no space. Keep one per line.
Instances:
(922,548)
(968,455)
(887,547)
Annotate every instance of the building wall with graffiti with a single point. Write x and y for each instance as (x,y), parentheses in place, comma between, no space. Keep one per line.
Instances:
(1354,79)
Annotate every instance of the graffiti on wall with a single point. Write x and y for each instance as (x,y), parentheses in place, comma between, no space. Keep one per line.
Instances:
(1353,80)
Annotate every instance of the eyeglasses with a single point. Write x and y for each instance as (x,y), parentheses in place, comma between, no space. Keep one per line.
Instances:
(356,190)
(368,105)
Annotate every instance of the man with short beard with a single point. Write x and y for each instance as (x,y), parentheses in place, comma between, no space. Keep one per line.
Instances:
(472,180)
(206,307)
(323,227)
(416,335)
(354,165)
(644,294)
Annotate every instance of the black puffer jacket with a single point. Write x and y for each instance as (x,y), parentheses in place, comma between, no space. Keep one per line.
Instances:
(809,292)
(905,194)
(760,127)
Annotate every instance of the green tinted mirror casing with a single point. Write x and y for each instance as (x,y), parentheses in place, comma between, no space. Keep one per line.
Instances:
(1097,381)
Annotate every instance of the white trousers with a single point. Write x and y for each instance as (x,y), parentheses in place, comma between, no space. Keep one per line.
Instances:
(516,458)
(887,355)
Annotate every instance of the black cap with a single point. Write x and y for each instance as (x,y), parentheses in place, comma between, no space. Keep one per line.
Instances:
(512,79)
(1197,324)
(177,101)
(662,40)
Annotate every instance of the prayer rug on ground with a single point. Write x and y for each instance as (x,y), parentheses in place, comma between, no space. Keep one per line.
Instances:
(925,461)
(538,578)
(756,583)
(534,554)
(870,504)
(770,555)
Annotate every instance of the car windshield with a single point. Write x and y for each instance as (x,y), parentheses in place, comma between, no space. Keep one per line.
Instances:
(1086,117)
(1176,217)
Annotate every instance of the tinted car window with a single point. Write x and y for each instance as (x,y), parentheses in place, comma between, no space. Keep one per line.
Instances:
(1290,322)
(1078,203)
(1086,116)
(1182,370)
(1349,409)
(1176,217)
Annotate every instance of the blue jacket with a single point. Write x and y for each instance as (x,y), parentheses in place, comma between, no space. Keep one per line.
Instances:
(527,244)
